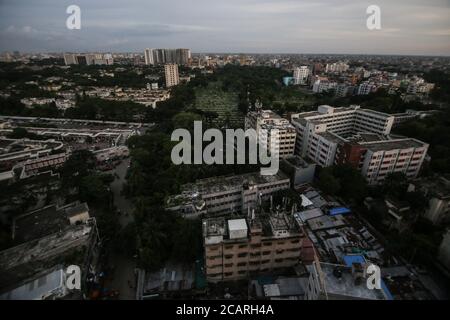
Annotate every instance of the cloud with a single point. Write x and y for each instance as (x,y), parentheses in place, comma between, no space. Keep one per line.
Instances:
(322,26)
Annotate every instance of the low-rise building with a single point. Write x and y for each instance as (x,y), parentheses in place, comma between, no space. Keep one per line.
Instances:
(222,195)
(437,190)
(51,238)
(299,170)
(238,248)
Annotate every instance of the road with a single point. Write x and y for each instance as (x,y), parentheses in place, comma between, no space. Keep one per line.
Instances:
(124,276)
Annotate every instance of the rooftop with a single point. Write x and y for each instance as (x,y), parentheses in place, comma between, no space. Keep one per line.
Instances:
(387,145)
(44,221)
(343,284)
(29,258)
(235,182)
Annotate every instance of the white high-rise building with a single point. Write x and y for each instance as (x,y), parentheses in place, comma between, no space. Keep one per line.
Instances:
(360,138)
(282,139)
(301,75)
(162,56)
(148,55)
(172,76)
(70,58)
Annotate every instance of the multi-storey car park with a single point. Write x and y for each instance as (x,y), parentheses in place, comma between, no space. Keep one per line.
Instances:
(359,137)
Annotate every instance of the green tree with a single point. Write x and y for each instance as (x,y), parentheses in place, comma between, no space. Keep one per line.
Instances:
(328,183)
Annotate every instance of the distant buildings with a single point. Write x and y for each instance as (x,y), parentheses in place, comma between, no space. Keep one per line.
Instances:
(336,67)
(360,138)
(163,56)
(172,76)
(88,59)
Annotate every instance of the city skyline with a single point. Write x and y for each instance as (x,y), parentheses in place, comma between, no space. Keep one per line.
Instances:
(249,26)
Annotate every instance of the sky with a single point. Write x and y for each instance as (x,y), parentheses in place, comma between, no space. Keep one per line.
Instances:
(243,26)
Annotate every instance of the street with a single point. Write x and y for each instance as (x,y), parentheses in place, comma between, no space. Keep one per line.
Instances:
(123,278)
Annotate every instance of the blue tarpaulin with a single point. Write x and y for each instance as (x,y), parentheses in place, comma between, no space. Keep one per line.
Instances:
(338,210)
(353,258)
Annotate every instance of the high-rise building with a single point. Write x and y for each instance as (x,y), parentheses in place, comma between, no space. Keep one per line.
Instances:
(88,59)
(148,56)
(163,56)
(277,132)
(301,75)
(70,58)
(172,77)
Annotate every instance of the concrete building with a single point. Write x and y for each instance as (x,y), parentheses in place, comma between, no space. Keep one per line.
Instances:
(387,156)
(336,67)
(328,281)
(70,58)
(148,56)
(239,248)
(165,56)
(299,170)
(359,137)
(27,157)
(88,59)
(366,88)
(50,238)
(222,195)
(271,128)
(171,74)
(437,190)
(320,86)
(301,75)
(317,130)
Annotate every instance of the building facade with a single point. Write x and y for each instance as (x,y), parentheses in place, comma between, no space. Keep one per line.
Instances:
(239,248)
(172,76)
(222,195)
(301,75)
(359,137)
(272,130)
(162,56)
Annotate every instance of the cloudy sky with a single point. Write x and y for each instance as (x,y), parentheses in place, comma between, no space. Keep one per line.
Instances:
(253,26)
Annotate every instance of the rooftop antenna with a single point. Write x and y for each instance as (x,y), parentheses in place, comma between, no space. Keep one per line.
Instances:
(248,214)
(271,203)
(253,214)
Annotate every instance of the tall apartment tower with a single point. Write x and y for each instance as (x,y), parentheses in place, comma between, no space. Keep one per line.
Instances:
(162,56)
(172,77)
(148,54)
(301,75)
